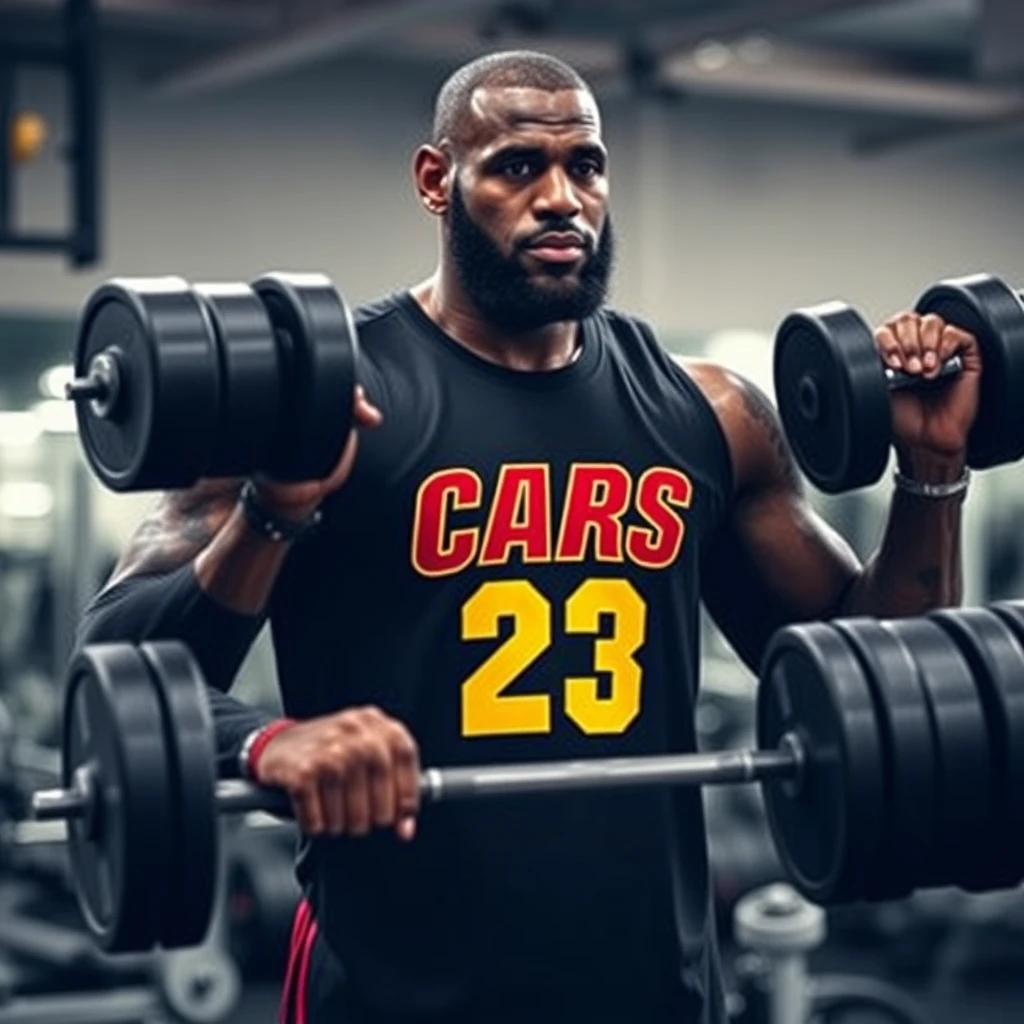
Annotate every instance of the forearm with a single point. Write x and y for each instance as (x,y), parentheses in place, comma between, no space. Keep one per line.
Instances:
(918,566)
(206,528)
(238,568)
(173,606)
(233,721)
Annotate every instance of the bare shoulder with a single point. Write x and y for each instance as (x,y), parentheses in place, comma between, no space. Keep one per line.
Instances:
(751,424)
(179,526)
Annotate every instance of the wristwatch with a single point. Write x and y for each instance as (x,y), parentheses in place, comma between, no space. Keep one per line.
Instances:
(270,525)
(923,489)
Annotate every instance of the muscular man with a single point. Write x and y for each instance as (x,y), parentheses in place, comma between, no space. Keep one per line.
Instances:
(509,568)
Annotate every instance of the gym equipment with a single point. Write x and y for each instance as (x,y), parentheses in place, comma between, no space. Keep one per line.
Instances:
(814,697)
(778,931)
(777,924)
(830,758)
(907,747)
(833,390)
(995,653)
(175,383)
(994,313)
(199,985)
(963,767)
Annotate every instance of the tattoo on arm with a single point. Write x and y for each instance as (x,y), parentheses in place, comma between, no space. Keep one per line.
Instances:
(760,409)
(178,528)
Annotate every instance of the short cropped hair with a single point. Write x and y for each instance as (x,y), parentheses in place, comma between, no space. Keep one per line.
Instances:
(522,69)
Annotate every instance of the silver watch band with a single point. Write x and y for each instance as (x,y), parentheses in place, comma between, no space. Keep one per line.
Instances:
(921,489)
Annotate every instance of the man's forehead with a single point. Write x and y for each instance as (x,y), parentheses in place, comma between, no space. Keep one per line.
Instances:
(502,109)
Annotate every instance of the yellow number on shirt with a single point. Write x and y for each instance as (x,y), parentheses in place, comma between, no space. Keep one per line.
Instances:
(612,714)
(487,710)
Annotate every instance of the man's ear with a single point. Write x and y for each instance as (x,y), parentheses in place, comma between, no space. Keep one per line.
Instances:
(432,171)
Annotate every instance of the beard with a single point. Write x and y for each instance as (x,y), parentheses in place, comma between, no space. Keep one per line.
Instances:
(504,292)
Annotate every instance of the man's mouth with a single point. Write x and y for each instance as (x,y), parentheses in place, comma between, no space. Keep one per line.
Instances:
(558,247)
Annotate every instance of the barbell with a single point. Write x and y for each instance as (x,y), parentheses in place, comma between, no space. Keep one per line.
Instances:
(833,390)
(890,753)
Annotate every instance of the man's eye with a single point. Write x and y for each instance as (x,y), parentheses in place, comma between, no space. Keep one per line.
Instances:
(518,169)
(588,168)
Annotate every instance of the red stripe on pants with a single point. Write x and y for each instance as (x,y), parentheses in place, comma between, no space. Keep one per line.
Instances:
(301,995)
(296,954)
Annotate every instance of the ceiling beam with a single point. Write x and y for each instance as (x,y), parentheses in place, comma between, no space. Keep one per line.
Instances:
(807,77)
(322,38)
(665,35)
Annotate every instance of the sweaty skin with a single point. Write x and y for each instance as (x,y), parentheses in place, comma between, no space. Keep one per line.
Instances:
(524,160)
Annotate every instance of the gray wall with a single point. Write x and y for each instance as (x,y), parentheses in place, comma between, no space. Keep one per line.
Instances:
(727,216)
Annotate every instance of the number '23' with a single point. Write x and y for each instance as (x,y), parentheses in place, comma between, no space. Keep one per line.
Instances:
(487,710)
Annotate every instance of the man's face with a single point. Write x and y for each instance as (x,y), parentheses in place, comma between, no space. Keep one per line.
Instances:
(528,226)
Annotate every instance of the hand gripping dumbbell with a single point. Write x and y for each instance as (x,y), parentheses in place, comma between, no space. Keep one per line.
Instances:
(174,383)
(833,390)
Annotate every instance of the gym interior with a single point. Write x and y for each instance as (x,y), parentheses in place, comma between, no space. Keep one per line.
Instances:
(765,157)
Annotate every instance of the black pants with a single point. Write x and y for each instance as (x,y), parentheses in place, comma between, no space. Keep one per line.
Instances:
(313,991)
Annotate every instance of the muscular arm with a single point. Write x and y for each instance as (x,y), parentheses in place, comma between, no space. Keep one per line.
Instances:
(195,572)
(205,526)
(775,561)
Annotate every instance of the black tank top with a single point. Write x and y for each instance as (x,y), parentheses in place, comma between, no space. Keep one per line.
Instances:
(513,571)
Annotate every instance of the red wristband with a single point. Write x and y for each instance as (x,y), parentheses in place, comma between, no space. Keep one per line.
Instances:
(263,737)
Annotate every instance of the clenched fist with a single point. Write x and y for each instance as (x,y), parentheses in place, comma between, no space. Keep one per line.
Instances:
(346,773)
(931,423)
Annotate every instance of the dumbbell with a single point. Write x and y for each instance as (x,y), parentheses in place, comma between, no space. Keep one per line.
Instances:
(175,383)
(890,754)
(833,390)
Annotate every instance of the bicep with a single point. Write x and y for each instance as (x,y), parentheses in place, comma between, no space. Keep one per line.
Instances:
(774,561)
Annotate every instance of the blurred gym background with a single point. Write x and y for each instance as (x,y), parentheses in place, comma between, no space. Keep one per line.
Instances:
(765,154)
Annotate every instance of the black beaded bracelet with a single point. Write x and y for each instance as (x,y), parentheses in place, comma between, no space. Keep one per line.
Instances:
(267,524)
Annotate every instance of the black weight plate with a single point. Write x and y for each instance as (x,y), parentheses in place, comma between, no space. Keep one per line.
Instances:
(832,396)
(994,314)
(191,887)
(827,829)
(159,434)
(910,826)
(1012,613)
(250,379)
(119,853)
(964,768)
(996,658)
(318,354)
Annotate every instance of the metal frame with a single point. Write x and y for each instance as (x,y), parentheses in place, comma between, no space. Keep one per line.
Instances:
(78,59)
